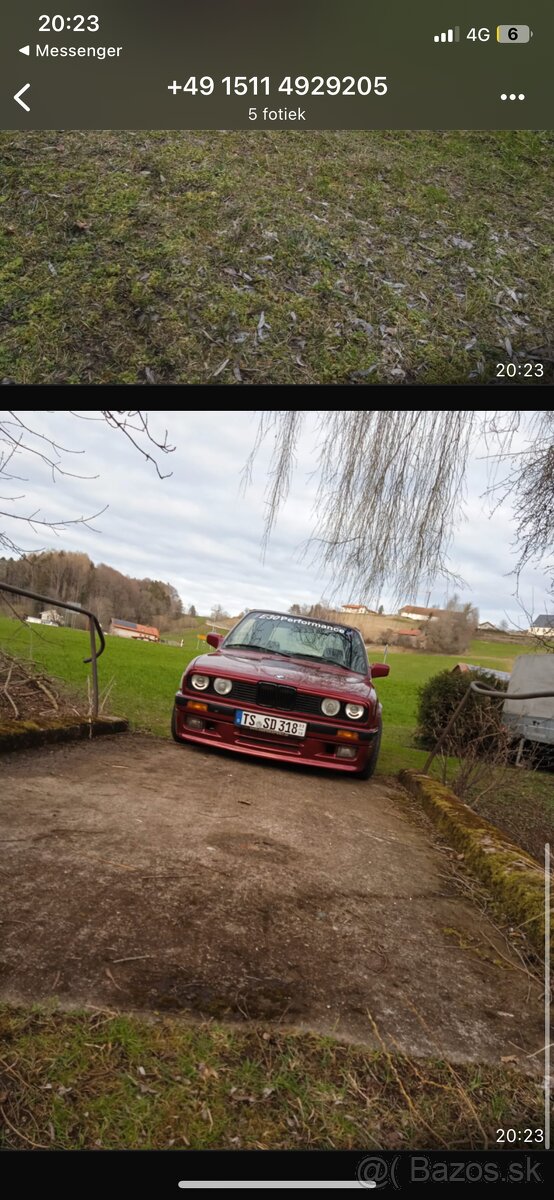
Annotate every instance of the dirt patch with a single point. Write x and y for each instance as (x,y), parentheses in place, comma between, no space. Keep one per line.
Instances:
(245,847)
(134,876)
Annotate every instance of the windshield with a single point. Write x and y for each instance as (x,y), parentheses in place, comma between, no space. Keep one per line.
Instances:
(299,638)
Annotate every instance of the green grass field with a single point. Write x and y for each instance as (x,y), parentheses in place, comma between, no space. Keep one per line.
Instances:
(240,257)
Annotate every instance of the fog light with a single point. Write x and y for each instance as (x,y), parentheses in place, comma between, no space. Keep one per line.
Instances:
(194,722)
(347,751)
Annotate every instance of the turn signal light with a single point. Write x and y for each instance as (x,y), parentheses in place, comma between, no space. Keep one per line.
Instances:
(346,733)
(198,707)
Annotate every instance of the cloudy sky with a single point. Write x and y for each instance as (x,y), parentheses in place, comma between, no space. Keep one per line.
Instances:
(199,530)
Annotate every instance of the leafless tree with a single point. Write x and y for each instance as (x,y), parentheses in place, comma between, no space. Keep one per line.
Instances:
(391,487)
(22,443)
(73,576)
(452,630)
(527,478)
(218,613)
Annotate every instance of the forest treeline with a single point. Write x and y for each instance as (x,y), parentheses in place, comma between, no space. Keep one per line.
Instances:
(109,593)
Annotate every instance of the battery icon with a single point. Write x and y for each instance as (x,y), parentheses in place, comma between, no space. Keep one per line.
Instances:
(512,34)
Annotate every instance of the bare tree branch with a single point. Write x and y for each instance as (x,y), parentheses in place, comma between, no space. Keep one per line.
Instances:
(21,439)
(123,422)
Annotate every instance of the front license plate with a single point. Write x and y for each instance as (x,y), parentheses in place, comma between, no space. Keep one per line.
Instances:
(271,724)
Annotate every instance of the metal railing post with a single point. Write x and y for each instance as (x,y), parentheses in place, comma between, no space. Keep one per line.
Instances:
(94,628)
(446,731)
(94,667)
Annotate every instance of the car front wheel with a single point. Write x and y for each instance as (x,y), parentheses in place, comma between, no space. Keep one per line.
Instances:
(371,764)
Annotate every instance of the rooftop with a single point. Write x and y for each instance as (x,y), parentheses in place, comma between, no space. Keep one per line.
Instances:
(420,612)
(148,629)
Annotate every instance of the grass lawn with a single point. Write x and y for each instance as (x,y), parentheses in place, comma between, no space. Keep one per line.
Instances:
(89,1081)
(242,257)
(497,650)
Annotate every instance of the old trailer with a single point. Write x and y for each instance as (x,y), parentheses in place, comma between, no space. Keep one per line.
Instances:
(532,719)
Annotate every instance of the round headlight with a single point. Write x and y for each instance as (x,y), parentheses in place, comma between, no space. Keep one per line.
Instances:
(223,686)
(354,711)
(330,707)
(200,682)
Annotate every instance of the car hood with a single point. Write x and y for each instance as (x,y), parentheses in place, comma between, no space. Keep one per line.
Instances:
(290,672)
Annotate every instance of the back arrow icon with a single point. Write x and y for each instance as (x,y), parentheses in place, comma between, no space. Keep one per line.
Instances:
(19,94)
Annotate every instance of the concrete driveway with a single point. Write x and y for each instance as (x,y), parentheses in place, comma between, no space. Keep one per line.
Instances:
(137,874)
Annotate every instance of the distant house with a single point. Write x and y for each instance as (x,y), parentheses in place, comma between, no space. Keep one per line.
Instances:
(488,627)
(130,629)
(414,613)
(357,610)
(49,616)
(543,625)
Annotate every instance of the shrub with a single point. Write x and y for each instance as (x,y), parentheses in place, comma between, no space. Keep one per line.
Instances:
(478,723)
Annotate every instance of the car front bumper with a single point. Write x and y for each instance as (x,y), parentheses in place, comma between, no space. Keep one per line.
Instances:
(213,722)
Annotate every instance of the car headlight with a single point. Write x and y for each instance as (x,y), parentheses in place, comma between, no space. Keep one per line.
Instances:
(200,682)
(354,711)
(223,686)
(330,707)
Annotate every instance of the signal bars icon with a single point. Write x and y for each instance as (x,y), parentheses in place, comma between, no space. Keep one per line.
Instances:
(451,35)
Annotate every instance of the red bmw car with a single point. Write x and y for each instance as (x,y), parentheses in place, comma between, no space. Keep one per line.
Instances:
(284,687)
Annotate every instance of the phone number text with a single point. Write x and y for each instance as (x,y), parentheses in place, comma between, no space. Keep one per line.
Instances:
(299,85)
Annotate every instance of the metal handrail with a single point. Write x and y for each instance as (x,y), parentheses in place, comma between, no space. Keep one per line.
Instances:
(94,628)
(482,691)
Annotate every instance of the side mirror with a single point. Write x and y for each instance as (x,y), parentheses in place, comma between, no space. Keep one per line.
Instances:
(214,639)
(379,670)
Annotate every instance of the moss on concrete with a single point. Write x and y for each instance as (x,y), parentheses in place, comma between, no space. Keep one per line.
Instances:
(513,876)
(22,735)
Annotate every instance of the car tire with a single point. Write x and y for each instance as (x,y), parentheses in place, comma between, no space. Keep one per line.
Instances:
(371,764)
(174,734)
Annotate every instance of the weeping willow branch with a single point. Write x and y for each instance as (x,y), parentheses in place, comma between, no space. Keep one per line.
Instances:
(391,488)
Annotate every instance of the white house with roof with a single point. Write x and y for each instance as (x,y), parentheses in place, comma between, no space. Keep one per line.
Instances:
(357,610)
(49,616)
(543,625)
